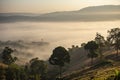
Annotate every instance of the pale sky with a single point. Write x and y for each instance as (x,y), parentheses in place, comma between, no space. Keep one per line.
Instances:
(46,6)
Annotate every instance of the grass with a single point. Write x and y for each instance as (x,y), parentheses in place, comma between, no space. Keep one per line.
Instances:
(100,71)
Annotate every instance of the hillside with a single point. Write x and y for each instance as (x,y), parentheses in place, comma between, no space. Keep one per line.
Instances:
(80,66)
(81,69)
(100,70)
(104,8)
(94,13)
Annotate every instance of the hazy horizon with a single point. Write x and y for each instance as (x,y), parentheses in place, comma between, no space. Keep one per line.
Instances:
(58,32)
(77,29)
(63,34)
(47,6)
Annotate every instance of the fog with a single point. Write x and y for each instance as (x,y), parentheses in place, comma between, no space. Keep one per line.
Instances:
(56,33)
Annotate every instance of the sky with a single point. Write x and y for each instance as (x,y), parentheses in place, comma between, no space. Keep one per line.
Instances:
(46,6)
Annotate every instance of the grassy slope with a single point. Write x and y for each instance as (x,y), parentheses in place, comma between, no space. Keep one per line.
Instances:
(100,71)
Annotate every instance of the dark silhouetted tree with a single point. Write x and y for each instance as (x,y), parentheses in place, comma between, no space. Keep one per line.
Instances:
(15,72)
(114,38)
(91,47)
(38,68)
(83,44)
(2,74)
(7,57)
(59,57)
(99,39)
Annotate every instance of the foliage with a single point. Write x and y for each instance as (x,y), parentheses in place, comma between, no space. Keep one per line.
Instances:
(59,57)
(103,63)
(2,73)
(91,46)
(83,44)
(116,76)
(114,38)
(38,68)
(15,72)
(7,57)
(99,39)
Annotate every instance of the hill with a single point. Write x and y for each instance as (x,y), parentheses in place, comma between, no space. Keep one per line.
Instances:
(104,8)
(100,70)
(94,13)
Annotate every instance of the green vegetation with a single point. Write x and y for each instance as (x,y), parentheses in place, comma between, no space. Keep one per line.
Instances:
(114,38)
(35,70)
(99,39)
(59,57)
(6,56)
(107,67)
(91,46)
(38,69)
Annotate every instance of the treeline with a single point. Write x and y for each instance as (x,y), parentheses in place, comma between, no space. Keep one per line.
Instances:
(34,70)
(96,47)
(37,69)
(22,44)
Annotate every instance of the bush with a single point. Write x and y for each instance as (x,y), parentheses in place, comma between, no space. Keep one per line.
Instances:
(115,77)
(104,63)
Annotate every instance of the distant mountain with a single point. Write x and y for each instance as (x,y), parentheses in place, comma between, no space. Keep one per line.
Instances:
(93,13)
(104,8)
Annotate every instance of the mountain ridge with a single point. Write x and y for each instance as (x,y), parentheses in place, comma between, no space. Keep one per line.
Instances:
(93,13)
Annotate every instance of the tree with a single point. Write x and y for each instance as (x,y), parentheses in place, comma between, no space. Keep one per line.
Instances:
(13,72)
(7,57)
(59,57)
(116,76)
(91,46)
(2,73)
(83,44)
(99,39)
(114,38)
(38,68)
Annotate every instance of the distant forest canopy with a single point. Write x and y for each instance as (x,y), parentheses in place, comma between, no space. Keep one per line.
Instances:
(94,13)
(21,43)
(25,50)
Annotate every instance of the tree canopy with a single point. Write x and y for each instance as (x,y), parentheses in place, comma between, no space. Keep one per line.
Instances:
(60,56)
(38,67)
(114,38)
(7,57)
(91,46)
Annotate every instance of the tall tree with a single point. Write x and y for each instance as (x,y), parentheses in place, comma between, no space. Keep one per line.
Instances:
(7,57)
(99,39)
(91,46)
(38,68)
(59,57)
(13,72)
(114,38)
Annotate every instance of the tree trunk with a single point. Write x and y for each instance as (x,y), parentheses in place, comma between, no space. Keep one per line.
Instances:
(117,53)
(100,52)
(35,76)
(60,72)
(91,61)
(117,48)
